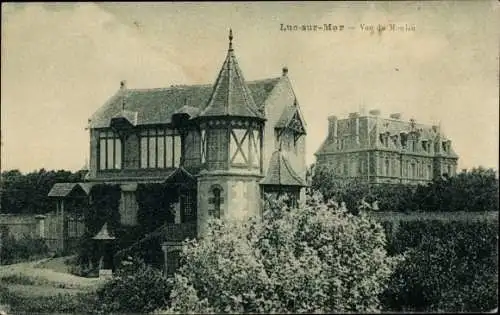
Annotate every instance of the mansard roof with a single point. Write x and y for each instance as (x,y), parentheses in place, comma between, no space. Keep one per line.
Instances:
(393,127)
(156,106)
(231,95)
(280,172)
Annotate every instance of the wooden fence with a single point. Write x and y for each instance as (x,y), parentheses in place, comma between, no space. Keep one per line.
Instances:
(58,238)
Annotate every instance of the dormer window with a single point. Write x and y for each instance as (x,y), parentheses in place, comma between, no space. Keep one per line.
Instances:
(384,139)
(445,146)
(404,140)
(110,150)
(425,146)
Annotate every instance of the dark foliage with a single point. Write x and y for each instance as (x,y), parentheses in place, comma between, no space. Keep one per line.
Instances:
(104,208)
(153,200)
(475,190)
(450,266)
(27,193)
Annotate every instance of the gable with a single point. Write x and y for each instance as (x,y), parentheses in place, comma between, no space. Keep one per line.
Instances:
(291,119)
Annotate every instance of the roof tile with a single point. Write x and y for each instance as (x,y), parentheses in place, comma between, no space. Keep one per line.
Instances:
(156,106)
(280,172)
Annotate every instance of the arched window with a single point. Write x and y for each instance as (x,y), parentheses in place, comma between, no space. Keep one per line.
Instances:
(387,167)
(215,201)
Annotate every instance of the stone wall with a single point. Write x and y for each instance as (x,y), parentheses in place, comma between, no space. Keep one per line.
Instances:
(240,197)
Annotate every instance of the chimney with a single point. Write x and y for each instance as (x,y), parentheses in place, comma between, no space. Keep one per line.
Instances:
(395,116)
(332,127)
(374,112)
(284,71)
(123,85)
(355,116)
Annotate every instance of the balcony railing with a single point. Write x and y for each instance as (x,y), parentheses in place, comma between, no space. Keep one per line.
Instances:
(181,231)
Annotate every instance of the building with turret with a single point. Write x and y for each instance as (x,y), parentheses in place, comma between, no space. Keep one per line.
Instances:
(216,148)
(386,149)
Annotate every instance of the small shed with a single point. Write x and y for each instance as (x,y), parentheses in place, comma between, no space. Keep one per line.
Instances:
(62,192)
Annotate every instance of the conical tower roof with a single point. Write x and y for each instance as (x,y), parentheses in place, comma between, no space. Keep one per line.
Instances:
(231,96)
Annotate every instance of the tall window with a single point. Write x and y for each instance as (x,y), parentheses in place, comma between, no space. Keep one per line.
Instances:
(387,167)
(215,201)
(188,206)
(160,148)
(110,150)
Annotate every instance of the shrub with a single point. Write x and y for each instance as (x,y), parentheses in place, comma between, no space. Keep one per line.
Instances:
(135,288)
(23,249)
(449,266)
(61,303)
(311,259)
(474,190)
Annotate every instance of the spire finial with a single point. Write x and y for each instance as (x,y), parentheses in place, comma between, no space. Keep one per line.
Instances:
(230,39)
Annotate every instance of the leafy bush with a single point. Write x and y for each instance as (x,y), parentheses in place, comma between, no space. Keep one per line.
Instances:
(311,259)
(134,288)
(23,249)
(449,266)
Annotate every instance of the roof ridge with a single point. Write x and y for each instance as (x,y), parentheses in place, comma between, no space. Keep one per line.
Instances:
(167,88)
(266,79)
(194,85)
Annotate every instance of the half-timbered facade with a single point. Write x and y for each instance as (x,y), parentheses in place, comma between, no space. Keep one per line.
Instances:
(219,148)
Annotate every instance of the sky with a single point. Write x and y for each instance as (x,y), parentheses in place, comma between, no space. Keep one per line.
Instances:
(61,62)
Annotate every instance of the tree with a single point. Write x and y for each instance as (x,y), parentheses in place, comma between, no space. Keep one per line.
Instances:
(473,190)
(27,193)
(348,190)
(316,258)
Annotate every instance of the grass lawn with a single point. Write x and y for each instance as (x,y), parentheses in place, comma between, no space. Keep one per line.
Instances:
(42,279)
(49,272)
